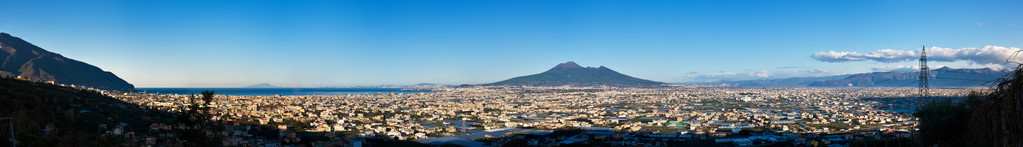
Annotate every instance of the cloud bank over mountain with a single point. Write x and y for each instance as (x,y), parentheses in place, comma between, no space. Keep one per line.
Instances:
(897,68)
(987,55)
(758,74)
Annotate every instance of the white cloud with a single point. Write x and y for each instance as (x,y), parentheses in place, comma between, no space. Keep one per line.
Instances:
(897,68)
(818,70)
(885,55)
(761,74)
(717,74)
(989,65)
(986,55)
(980,24)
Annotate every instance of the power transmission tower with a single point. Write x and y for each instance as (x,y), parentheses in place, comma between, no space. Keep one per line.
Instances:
(923,72)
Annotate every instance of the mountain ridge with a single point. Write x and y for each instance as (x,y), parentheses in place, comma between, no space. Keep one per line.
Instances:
(23,59)
(941,77)
(261,85)
(780,82)
(570,73)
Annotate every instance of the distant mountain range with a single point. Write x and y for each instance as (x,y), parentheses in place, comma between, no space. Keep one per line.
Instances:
(942,77)
(20,58)
(786,82)
(570,73)
(261,85)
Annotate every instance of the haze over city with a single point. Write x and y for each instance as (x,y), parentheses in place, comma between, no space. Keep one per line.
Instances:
(369,43)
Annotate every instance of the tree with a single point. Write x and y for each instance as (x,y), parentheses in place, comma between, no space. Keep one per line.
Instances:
(982,119)
(944,121)
(997,120)
(198,128)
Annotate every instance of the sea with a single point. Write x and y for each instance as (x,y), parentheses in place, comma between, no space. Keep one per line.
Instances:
(278,91)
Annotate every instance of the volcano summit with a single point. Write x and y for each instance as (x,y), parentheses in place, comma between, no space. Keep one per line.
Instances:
(570,73)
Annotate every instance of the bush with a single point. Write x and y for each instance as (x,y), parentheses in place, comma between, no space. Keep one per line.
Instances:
(982,119)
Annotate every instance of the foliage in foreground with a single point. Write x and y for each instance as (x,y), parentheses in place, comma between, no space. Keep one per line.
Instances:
(982,119)
(52,115)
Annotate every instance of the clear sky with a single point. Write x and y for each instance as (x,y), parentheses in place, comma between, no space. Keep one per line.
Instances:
(375,42)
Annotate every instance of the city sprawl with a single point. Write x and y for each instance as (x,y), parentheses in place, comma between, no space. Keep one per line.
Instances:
(465,114)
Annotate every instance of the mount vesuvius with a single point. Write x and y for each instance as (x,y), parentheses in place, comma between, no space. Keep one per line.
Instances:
(570,73)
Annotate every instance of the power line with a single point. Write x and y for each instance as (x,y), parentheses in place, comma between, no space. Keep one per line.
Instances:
(910,82)
(879,83)
(963,79)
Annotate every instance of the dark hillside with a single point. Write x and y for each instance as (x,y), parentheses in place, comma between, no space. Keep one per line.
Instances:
(51,115)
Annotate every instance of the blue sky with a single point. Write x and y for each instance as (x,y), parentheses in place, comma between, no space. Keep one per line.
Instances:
(360,43)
